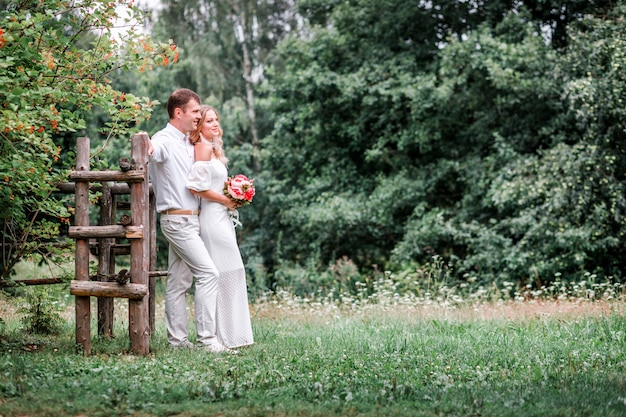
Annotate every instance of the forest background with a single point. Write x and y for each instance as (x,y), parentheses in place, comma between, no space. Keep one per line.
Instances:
(485,140)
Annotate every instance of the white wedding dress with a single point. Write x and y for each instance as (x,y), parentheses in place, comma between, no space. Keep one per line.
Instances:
(233,326)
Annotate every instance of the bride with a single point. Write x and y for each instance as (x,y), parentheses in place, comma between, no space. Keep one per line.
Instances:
(208,174)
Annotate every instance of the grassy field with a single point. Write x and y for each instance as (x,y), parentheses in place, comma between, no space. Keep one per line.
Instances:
(383,357)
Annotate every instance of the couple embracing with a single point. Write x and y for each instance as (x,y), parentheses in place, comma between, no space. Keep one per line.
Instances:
(188,169)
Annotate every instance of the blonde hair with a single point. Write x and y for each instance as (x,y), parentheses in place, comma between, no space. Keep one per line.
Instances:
(218,144)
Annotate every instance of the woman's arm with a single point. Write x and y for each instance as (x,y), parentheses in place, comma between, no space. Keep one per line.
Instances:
(217,197)
(204,152)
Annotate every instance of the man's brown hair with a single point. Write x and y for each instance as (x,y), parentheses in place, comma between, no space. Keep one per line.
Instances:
(179,99)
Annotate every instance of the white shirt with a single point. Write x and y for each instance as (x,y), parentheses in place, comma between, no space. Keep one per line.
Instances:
(169,167)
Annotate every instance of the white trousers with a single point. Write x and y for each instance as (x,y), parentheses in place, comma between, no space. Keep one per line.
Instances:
(188,258)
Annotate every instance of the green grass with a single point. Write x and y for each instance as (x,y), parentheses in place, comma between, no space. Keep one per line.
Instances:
(540,358)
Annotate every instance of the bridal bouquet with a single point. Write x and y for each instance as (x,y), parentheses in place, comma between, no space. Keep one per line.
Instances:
(240,189)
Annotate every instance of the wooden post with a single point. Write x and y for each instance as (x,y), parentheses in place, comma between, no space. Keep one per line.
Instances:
(153,259)
(81,218)
(139,329)
(105,304)
(113,249)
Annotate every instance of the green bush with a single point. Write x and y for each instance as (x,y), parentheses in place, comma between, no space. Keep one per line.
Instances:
(56,60)
(41,309)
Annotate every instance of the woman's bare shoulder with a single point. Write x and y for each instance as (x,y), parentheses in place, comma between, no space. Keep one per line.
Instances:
(203,151)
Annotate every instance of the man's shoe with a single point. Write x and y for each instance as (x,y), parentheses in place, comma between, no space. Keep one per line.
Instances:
(219,348)
(185,344)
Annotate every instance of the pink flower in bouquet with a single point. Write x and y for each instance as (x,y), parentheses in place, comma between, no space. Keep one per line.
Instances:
(240,189)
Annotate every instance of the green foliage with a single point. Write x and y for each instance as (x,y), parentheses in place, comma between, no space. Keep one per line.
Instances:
(56,60)
(41,311)
(401,135)
(534,202)
(342,100)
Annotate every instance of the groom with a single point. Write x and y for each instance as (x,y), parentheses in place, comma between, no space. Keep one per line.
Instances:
(171,156)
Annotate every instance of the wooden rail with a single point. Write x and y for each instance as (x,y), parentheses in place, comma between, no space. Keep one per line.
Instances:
(108,289)
(86,232)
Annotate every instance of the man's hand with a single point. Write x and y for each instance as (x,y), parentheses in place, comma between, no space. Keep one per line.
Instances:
(150,147)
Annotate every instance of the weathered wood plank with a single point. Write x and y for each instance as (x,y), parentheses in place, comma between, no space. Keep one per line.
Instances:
(32,281)
(81,265)
(105,304)
(86,232)
(138,311)
(116,188)
(108,289)
(59,280)
(103,176)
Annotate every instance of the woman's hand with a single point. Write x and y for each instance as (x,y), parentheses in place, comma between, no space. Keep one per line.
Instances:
(230,204)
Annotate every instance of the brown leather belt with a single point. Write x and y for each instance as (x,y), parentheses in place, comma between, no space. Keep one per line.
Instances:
(182,212)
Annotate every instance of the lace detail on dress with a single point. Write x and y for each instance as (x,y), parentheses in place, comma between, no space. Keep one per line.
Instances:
(233,313)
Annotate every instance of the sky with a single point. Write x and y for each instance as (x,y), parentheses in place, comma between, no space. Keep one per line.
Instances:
(149,4)
(152,4)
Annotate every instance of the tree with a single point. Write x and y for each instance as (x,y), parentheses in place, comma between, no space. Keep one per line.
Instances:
(498,102)
(402,132)
(346,99)
(226,53)
(56,60)
(573,195)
